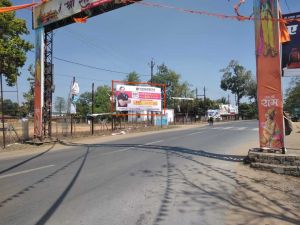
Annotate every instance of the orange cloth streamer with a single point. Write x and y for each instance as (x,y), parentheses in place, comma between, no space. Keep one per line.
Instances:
(17,7)
(284,33)
(80,20)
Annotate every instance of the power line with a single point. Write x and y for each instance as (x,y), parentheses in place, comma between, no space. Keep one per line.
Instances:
(94,67)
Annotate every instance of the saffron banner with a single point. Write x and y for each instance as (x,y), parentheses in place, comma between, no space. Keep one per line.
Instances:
(269,92)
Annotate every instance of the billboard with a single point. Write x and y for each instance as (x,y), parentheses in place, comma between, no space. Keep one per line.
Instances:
(226,109)
(291,49)
(138,98)
(54,11)
(269,90)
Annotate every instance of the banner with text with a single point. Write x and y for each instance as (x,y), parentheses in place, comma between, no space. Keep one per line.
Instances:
(138,98)
(269,92)
(291,49)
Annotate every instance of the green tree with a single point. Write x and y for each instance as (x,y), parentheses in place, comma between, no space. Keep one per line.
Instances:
(13,47)
(252,90)
(222,100)
(28,105)
(292,101)
(132,77)
(102,99)
(84,103)
(236,79)
(177,88)
(10,108)
(60,105)
(248,111)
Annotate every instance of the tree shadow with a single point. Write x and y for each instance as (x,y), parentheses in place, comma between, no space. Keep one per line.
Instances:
(198,152)
(27,160)
(252,203)
(60,199)
(46,178)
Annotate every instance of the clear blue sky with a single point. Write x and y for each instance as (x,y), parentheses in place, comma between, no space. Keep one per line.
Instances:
(195,46)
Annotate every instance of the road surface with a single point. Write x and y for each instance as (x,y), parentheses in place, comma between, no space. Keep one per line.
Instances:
(175,177)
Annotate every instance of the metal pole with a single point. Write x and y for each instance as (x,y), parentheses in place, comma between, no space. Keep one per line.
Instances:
(72,114)
(93,94)
(2,116)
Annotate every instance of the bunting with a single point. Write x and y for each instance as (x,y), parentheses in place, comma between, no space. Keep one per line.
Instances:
(17,7)
(80,20)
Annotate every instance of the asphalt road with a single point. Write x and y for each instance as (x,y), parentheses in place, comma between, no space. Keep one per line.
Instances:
(176,177)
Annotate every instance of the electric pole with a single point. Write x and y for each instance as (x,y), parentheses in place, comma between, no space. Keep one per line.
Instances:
(152,64)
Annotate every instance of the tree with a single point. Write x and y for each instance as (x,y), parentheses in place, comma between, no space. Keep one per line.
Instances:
(222,100)
(28,105)
(10,108)
(84,103)
(132,77)
(12,47)
(177,89)
(236,79)
(60,105)
(292,101)
(252,90)
(102,99)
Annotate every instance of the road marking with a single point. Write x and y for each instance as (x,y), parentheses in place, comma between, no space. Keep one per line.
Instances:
(121,150)
(227,128)
(150,143)
(255,129)
(199,132)
(241,128)
(24,171)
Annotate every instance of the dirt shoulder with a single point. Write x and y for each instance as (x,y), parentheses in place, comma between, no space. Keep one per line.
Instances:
(262,197)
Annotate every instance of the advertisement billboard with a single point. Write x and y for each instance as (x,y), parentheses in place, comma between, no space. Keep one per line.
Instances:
(269,90)
(138,98)
(54,11)
(227,109)
(291,49)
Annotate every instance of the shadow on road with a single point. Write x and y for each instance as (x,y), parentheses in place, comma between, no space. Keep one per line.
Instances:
(252,201)
(60,199)
(56,204)
(27,160)
(198,152)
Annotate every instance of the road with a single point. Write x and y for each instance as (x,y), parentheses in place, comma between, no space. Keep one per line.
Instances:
(175,177)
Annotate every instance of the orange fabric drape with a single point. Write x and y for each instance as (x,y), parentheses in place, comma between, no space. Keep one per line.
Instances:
(81,20)
(284,34)
(17,7)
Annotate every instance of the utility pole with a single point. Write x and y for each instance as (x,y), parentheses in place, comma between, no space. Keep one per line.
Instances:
(152,64)
(228,100)
(204,93)
(71,112)
(93,94)
(2,116)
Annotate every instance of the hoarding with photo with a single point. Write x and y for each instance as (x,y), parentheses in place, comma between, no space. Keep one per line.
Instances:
(291,49)
(138,98)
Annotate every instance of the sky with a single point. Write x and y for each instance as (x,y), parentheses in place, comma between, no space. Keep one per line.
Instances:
(126,39)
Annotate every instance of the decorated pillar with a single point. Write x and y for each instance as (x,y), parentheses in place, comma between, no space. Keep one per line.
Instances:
(268,72)
(39,83)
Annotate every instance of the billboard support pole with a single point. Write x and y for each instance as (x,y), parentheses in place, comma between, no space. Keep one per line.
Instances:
(48,84)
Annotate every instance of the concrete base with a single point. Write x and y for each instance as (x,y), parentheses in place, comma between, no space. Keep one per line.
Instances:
(288,164)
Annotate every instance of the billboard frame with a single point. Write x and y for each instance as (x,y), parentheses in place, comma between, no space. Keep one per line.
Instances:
(113,109)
